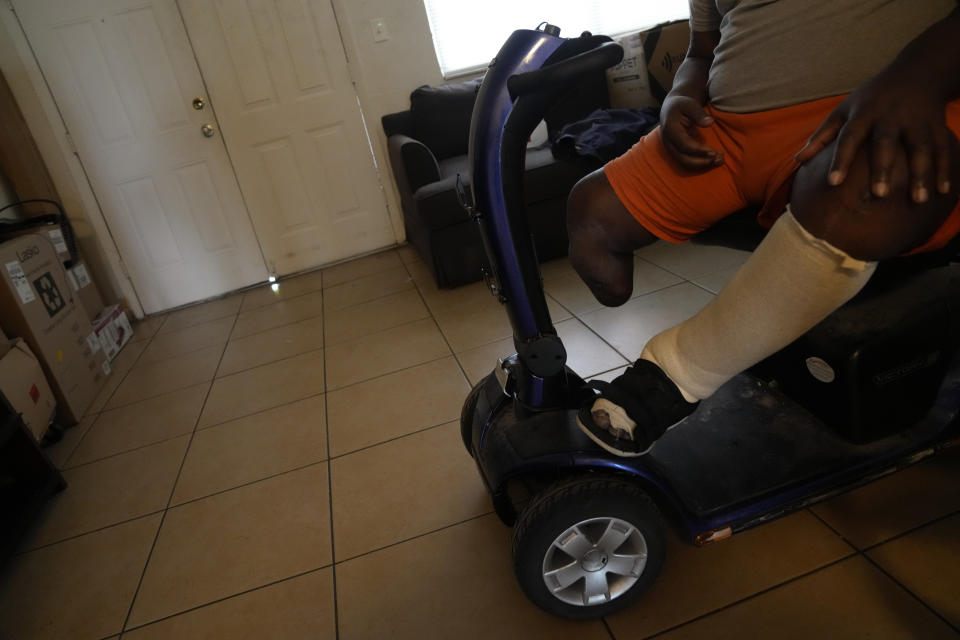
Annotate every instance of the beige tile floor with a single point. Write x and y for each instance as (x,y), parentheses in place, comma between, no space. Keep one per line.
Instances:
(287,464)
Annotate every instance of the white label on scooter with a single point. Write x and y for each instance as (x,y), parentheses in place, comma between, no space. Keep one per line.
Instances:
(820,370)
(19,280)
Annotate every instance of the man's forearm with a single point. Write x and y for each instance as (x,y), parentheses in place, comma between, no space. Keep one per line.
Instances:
(691,79)
(934,56)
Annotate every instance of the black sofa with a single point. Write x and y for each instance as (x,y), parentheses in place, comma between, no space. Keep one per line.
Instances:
(428,149)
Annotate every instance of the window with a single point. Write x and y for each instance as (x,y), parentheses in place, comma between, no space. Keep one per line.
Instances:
(466,35)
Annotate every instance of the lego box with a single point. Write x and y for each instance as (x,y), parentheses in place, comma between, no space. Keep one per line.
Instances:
(36,304)
(113,330)
(84,288)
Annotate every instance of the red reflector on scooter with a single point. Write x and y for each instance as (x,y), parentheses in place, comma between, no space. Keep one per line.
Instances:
(713,536)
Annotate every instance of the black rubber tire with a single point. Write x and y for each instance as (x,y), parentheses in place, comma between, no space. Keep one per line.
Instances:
(565,504)
(466,417)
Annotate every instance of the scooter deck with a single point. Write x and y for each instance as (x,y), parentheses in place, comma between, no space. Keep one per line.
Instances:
(749,441)
(747,450)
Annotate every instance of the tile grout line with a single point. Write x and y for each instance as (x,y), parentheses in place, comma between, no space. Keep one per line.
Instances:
(594,332)
(376,297)
(132,449)
(333,345)
(272,476)
(225,598)
(433,317)
(194,325)
(911,593)
(321,291)
(246,484)
(367,447)
(326,427)
(729,605)
(47,545)
(214,378)
(864,554)
(389,373)
(264,410)
(397,543)
(831,528)
(312,317)
(106,401)
(230,338)
(606,625)
(913,529)
(259,411)
(160,395)
(173,489)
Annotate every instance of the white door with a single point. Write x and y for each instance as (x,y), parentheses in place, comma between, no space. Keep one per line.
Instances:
(124,77)
(279,82)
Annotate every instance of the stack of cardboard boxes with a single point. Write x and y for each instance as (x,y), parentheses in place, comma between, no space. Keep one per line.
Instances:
(62,337)
(650,60)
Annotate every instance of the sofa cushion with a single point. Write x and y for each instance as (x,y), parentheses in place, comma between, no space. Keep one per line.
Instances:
(441,116)
(453,166)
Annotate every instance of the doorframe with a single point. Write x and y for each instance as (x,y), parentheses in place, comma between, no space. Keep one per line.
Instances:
(375,136)
(69,176)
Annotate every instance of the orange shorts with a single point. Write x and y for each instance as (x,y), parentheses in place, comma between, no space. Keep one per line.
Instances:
(758,149)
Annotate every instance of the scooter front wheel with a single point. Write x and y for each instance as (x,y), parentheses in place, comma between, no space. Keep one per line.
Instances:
(588,546)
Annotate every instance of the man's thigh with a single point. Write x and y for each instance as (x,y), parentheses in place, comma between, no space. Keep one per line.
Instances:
(673,203)
(851,218)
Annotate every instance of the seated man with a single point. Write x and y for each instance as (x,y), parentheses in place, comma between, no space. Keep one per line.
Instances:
(877,179)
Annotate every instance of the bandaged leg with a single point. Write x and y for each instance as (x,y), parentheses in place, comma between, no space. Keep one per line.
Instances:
(790,283)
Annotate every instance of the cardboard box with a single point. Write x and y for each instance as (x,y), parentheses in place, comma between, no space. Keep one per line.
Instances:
(83,288)
(35,305)
(52,231)
(113,330)
(24,386)
(650,60)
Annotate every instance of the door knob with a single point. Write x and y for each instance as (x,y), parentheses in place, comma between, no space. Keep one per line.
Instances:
(198,103)
(207,130)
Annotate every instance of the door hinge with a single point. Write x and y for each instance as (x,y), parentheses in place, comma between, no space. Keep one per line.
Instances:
(123,268)
(8,4)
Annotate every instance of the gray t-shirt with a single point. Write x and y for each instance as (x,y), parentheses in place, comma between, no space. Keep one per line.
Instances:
(776,53)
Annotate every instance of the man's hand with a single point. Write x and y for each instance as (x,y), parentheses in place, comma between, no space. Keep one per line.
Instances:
(894,108)
(682,116)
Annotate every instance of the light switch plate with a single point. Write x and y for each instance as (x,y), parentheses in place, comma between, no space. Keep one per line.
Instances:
(379,30)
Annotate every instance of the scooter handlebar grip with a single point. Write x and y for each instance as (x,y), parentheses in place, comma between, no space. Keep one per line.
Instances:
(565,73)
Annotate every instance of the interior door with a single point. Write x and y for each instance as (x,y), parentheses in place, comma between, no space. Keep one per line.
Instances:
(124,77)
(279,82)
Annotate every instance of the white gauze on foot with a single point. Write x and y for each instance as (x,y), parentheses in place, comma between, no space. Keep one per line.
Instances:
(790,283)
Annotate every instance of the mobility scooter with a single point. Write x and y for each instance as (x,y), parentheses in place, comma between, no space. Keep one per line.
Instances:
(873,389)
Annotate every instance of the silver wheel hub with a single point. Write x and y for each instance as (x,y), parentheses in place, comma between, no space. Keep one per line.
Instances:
(594,561)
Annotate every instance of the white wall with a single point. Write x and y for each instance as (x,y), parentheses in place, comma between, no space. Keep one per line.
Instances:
(386,72)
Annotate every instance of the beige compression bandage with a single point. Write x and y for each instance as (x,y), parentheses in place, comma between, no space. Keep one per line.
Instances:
(790,283)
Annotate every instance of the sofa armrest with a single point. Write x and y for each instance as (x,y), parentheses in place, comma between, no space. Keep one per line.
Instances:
(438,205)
(419,164)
